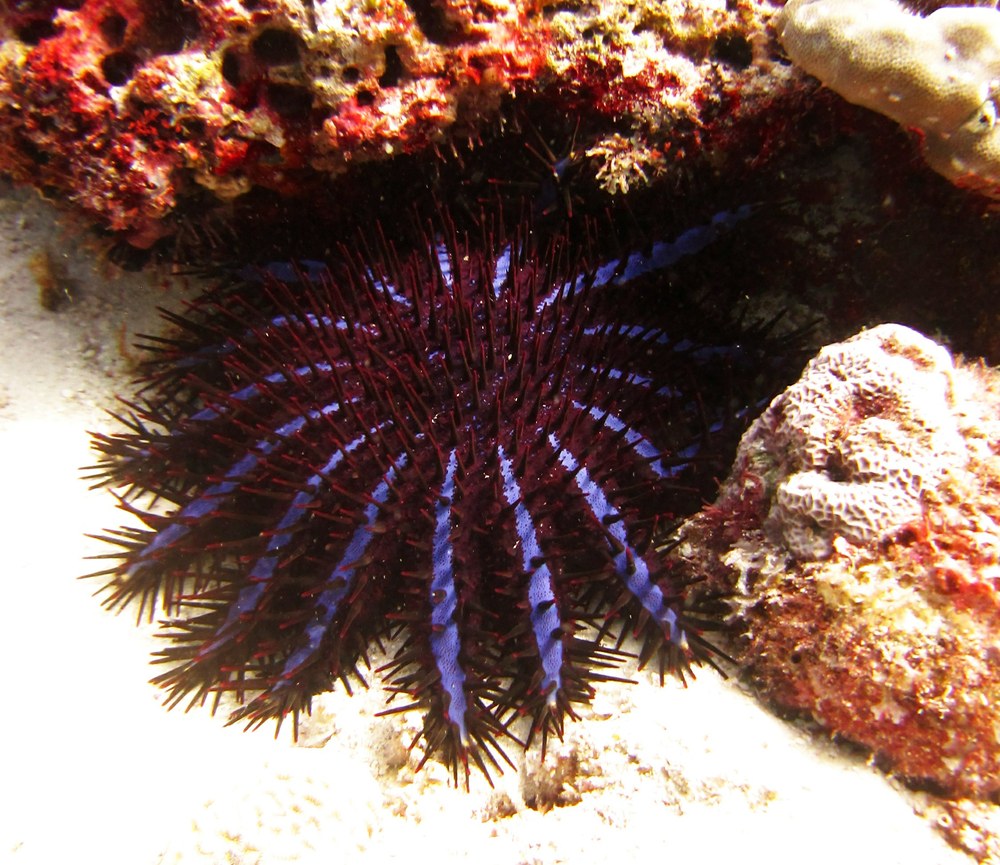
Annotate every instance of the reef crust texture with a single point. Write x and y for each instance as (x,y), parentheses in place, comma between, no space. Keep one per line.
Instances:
(859,533)
(140,111)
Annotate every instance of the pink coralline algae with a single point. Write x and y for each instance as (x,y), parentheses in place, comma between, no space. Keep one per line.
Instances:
(129,105)
(134,108)
(859,534)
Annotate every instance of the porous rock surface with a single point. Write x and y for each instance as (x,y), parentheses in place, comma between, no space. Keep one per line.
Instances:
(937,74)
(136,109)
(859,533)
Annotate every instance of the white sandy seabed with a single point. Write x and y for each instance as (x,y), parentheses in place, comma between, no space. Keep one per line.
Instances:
(93,769)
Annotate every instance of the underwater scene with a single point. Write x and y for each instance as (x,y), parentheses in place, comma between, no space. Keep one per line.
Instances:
(536,431)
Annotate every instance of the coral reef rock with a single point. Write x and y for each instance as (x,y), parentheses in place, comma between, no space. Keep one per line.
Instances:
(937,74)
(134,108)
(859,537)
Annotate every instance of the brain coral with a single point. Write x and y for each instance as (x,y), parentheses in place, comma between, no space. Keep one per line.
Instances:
(863,437)
(860,534)
(937,74)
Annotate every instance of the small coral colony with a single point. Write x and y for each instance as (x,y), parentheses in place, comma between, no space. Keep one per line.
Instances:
(470,448)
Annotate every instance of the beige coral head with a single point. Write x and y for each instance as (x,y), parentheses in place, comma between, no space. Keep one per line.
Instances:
(939,74)
(970,157)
